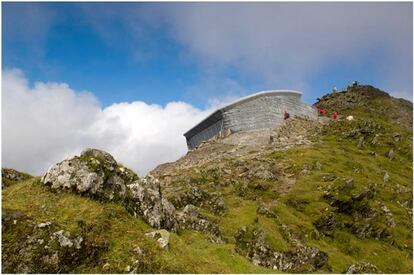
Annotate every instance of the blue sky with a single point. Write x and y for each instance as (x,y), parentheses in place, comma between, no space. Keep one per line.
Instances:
(150,52)
(131,78)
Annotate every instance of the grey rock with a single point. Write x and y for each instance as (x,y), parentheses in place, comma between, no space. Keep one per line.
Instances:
(374,140)
(388,215)
(43,224)
(63,238)
(327,223)
(100,155)
(252,245)
(147,201)
(391,154)
(10,175)
(94,174)
(348,184)
(363,267)
(139,250)
(162,236)
(386,177)
(74,174)
(190,218)
(318,165)
(198,197)
(262,173)
(397,137)
(328,177)
(361,142)
(263,210)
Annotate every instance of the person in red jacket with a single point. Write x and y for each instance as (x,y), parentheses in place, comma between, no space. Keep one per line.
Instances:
(322,111)
(286,115)
(334,115)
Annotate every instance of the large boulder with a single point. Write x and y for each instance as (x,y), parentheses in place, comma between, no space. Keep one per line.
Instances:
(94,173)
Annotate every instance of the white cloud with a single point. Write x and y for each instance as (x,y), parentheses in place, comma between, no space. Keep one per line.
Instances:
(282,45)
(291,43)
(43,124)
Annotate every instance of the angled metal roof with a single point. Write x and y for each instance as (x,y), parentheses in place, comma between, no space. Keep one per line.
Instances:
(217,114)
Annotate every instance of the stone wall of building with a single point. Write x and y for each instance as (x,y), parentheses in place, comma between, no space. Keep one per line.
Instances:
(261,110)
(265,112)
(206,134)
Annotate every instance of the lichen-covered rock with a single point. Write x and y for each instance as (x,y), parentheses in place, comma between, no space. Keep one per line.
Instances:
(363,268)
(64,240)
(190,218)
(146,200)
(327,223)
(328,177)
(386,177)
(260,172)
(251,244)
(391,154)
(94,173)
(102,156)
(30,247)
(162,236)
(198,197)
(10,176)
(388,215)
(263,210)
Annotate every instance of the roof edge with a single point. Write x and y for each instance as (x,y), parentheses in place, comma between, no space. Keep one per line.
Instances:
(247,98)
(260,94)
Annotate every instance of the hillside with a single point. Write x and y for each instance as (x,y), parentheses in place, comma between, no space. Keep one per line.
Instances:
(311,196)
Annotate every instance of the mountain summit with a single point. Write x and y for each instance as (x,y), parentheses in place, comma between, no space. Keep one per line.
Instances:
(332,195)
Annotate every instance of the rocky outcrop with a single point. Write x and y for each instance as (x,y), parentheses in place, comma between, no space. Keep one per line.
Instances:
(295,132)
(162,236)
(10,176)
(94,173)
(190,218)
(146,200)
(363,268)
(264,210)
(363,220)
(43,247)
(250,242)
(196,196)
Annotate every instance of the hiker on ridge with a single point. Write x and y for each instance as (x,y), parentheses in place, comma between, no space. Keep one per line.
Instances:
(286,115)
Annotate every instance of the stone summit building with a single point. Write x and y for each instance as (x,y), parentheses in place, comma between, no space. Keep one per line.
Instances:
(257,111)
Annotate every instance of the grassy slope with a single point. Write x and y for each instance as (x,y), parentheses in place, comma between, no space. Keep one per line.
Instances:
(299,208)
(304,204)
(190,251)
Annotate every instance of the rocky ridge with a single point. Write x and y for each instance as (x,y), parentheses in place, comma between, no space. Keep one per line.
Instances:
(310,196)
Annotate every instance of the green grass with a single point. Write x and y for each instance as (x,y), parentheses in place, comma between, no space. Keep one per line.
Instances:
(304,203)
(190,252)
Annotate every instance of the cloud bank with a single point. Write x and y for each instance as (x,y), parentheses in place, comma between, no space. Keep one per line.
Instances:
(292,43)
(44,123)
(284,45)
